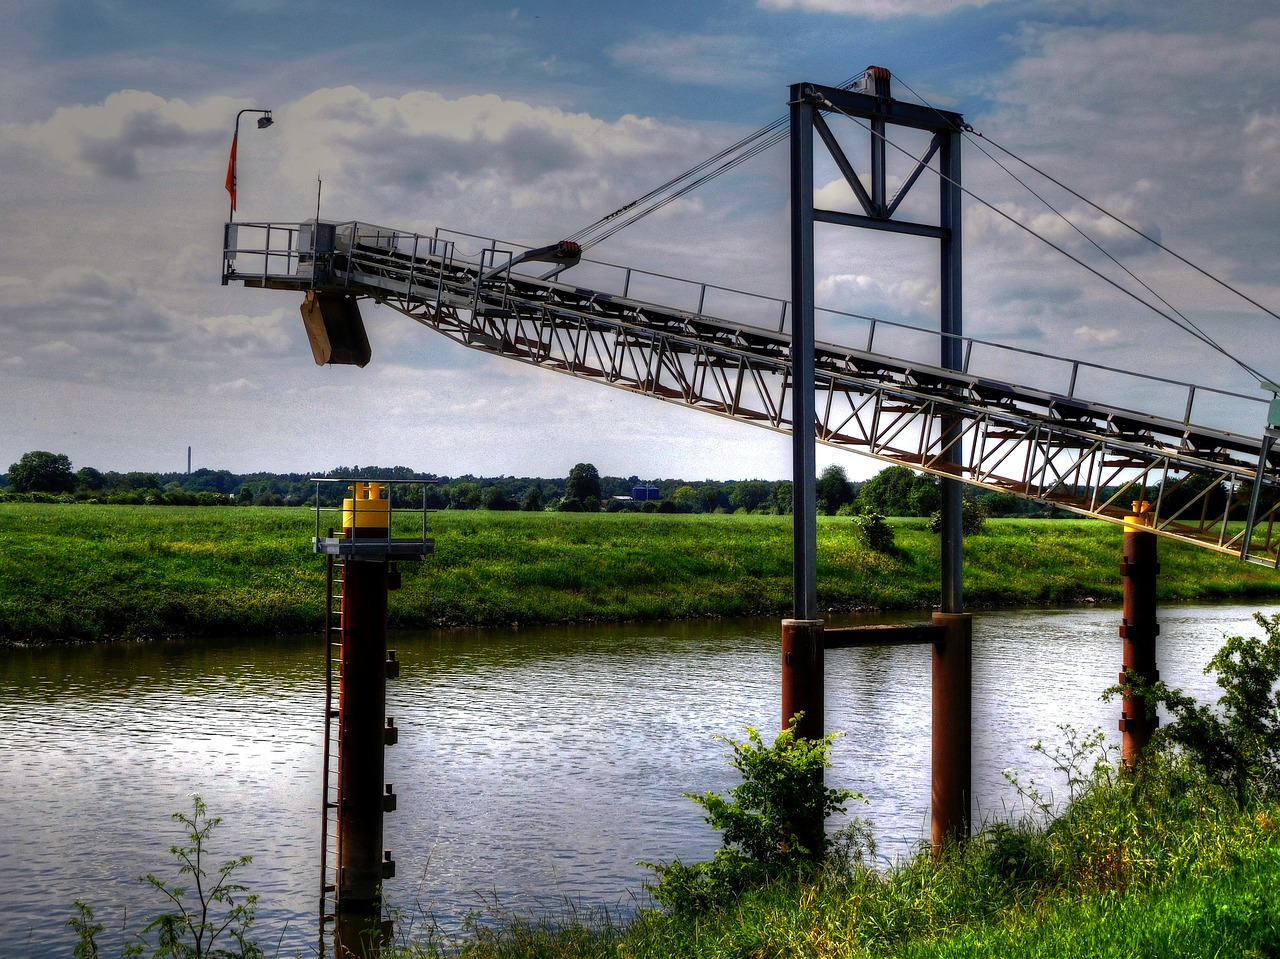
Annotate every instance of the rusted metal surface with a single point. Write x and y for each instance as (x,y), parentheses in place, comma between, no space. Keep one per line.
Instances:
(890,634)
(1138,632)
(952,773)
(362,709)
(802,676)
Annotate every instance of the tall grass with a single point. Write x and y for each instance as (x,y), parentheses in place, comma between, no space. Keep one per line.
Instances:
(71,572)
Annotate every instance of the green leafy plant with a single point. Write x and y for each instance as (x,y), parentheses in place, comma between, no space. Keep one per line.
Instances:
(1236,745)
(874,531)
(773,822)
(211,909)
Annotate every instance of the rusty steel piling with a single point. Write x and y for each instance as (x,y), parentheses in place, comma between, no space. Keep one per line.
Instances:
(952,753)
(366,553)
(802,676)
(1138,631)
(362,718)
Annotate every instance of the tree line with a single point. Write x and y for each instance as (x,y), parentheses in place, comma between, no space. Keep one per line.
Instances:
(894,491)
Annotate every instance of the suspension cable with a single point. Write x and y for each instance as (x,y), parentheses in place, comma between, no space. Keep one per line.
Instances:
(728,158)
(1187,327)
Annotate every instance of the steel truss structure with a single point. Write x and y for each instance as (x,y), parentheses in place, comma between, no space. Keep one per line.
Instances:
(1058,448)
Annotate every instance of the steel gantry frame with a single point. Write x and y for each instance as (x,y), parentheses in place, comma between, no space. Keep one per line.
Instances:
(870,100)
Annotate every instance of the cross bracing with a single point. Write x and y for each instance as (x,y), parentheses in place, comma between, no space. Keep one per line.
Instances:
(1058,447)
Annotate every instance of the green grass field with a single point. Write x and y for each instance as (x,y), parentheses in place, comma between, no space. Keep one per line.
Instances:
(90,572)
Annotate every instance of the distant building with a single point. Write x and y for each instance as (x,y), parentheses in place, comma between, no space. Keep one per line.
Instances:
(644,493)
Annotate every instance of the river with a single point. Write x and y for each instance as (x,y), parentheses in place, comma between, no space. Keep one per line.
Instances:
(535,767)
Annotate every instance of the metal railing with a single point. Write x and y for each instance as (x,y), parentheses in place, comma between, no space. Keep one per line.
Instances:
(353,543)
(274,260)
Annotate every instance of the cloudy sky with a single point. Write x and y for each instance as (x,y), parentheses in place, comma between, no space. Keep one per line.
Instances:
(529,121)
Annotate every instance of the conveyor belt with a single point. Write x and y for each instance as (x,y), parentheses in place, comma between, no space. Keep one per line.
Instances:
(1059,448)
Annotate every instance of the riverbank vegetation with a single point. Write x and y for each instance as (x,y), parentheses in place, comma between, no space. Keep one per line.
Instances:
(93,572)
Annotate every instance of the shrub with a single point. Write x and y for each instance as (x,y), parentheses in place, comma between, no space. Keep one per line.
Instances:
(874,531)
(1237,745)
(973,518)
(773,822)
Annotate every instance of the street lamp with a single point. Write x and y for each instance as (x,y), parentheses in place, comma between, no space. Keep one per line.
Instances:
(264,121)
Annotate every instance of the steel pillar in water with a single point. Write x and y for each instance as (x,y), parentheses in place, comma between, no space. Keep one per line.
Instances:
(802,694)
(362,720)
(1138,631)
(366,552)
(802,676)
(952,749)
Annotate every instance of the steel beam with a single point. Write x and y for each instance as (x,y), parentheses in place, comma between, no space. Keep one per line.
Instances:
(803,414)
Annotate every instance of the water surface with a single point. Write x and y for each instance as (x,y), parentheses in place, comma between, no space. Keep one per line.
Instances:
(533,766)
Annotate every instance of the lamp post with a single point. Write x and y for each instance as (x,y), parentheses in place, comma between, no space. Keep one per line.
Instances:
(264,121)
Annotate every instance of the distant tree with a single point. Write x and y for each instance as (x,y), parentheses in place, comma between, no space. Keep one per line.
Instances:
(89,479)
(42,472)
(583,483)
(925,496)
(571,504)
(688,500)
(898,491)
(496,499)
(749,495)
(783,496)
(1008,504)
(833,490)
(532,501)
(1197,494)
(464,494)
(135,480)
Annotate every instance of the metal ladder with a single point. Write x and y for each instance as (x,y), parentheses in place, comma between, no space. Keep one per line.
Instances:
(330,847)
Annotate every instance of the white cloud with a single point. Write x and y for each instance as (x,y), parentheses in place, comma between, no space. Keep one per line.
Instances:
(1092,336)
(1262,154)
(478,163)
(118,137)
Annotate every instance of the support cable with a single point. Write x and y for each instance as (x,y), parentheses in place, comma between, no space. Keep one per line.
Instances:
(1183,321)
(728,158)
(1167,315)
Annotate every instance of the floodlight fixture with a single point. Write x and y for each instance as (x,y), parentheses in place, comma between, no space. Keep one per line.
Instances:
(264,121)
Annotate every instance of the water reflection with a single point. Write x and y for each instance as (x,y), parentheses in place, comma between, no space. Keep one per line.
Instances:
(533,766)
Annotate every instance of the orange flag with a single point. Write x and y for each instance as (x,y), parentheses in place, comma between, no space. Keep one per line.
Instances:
(231,171)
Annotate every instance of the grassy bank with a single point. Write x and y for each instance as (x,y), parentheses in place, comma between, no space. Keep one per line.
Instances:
(961,909)
(84,572)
